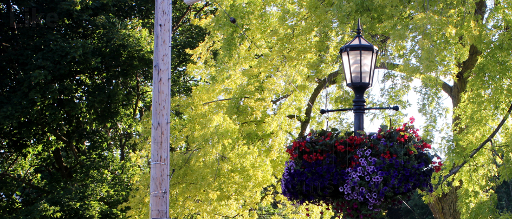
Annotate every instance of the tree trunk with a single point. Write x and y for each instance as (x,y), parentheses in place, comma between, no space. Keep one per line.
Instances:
(445,206)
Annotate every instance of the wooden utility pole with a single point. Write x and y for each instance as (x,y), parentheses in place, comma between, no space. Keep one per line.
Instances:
(159,186)
(161,109)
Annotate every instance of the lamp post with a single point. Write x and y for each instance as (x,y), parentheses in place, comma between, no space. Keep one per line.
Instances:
(359,60)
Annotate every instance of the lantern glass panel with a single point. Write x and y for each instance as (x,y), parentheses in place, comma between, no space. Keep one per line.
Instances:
(366,67)
(360,66)
(374,61)
(355,65)
(346,68)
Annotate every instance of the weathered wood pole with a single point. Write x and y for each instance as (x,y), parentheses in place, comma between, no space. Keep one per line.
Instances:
(159,186)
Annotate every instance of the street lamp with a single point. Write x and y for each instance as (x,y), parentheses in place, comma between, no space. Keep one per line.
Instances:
(359,60)
(358,57)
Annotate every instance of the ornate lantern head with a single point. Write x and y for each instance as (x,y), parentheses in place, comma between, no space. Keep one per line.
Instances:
(359,57)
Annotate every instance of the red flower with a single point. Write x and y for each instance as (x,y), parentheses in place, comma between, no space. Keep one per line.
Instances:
(387,155)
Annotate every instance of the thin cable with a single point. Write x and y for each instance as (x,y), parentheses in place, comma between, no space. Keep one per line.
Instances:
(409,207)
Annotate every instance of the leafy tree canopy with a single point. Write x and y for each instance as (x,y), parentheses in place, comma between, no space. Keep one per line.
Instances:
(261,78)
(74,86)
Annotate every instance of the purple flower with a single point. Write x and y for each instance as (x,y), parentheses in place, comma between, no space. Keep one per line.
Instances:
(372,184)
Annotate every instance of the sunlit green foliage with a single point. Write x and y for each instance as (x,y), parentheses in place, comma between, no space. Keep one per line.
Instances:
(258,77)
(74,92)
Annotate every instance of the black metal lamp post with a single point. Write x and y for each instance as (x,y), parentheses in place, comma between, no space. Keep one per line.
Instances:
(359,60)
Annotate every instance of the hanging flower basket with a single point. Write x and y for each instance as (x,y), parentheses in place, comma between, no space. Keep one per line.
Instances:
(359,176)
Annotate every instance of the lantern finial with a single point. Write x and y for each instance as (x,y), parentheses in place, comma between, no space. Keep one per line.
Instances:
(359,26)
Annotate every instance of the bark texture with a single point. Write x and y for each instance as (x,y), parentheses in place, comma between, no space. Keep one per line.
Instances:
(445,206)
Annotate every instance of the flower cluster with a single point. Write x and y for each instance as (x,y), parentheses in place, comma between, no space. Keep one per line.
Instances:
(360,176)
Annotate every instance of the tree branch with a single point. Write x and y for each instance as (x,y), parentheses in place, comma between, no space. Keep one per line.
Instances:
(329,80)
(456,169)
(222,100)
(448,89)
(280,98)
(25,182)
(57,135)
(294,117)
(200,10)
(178,25)
(59,161)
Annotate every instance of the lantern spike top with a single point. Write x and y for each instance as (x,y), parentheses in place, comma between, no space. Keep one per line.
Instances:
(359,30)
